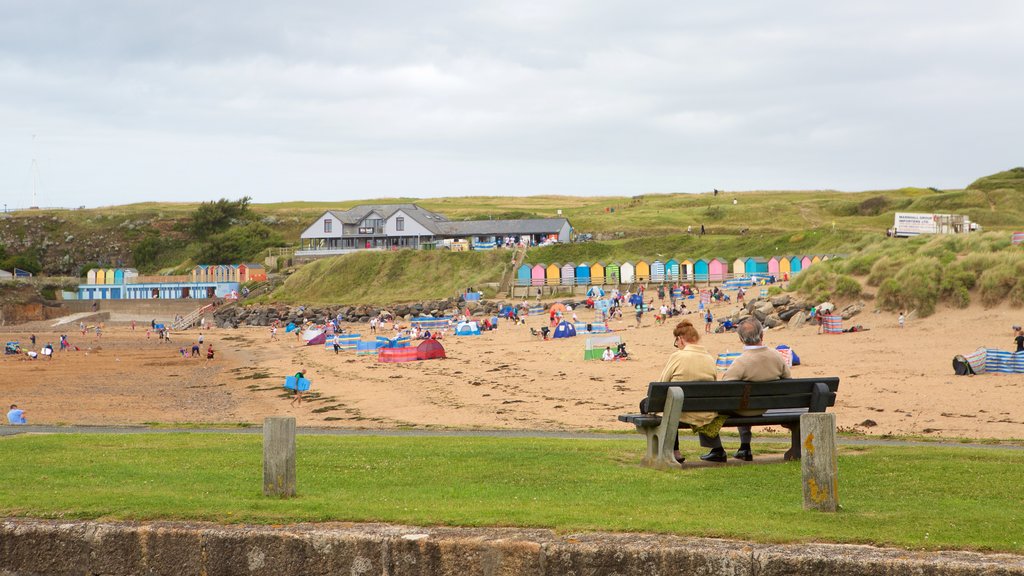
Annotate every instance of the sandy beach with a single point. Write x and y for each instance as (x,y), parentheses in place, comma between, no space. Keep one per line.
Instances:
(900,379)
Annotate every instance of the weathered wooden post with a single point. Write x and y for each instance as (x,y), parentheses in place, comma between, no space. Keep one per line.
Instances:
(279,456)
(819,471)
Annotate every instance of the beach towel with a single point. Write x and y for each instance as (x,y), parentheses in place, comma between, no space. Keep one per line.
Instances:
(298,384)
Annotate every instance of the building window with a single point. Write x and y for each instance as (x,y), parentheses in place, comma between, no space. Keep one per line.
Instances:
(400,224)
(327,225)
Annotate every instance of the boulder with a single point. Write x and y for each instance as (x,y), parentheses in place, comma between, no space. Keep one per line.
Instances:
(763,310)
(780,300)
(773,321)
(788,313)
(797,320)
(852,310)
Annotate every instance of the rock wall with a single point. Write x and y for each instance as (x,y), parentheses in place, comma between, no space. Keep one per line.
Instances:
(43,548)
(264,315)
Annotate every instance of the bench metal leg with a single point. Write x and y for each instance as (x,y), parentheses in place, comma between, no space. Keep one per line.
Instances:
(661,438)
(794,442)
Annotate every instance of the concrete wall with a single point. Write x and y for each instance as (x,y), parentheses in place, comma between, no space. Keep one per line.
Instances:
(157,307)
(42,548)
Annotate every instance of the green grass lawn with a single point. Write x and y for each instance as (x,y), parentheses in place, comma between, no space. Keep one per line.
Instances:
(911,497)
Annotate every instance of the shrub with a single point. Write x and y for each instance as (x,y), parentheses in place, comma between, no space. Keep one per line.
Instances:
(238,244)
(955,285)
(996,284)
(861,264)
(915,286)
(1017,295)
(214,217)
(873,206)
(886,267)
(847,287)
(822,281)
(714,213)
(979,262)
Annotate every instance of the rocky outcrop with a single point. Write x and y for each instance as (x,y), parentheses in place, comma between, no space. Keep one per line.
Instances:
(266,314)
(786,310)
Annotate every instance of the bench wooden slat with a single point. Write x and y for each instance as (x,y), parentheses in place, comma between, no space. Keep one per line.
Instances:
(729,404)
(778,417)
(695,391)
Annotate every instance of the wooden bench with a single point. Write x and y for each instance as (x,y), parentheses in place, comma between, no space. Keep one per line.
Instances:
(783,401)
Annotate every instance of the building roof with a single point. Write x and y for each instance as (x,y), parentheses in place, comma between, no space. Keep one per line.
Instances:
(502,227)
(356,214)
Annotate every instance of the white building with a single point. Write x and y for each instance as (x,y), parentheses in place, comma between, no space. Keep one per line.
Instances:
(393,226)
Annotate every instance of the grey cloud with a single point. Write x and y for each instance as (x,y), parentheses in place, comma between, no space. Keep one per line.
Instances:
(138,100)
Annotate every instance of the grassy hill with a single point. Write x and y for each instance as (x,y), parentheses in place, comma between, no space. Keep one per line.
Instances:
(648,226)
(388,277)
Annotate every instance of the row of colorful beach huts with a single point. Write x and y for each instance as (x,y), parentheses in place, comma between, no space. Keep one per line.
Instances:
(699,270)
(238,273)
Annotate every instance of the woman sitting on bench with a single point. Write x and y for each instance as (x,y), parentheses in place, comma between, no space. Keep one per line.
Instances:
(689,363)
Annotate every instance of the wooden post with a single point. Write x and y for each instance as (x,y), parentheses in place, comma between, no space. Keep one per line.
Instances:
(818,464)
(279,456)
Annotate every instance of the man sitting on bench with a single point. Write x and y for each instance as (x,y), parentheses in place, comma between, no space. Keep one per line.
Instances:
(757,363)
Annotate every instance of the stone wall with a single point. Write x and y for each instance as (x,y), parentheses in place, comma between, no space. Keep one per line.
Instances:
(43,548)
(264,315)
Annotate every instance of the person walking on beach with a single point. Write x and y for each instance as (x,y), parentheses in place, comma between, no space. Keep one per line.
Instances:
(902,319)
(708,318)
(1019,340)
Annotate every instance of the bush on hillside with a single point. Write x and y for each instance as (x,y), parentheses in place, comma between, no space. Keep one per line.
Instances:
(861,264)
(955,285)
(822,282)
(873,206)
(215,217)
(714,213)
(996,283)
(237,244)
(914,287)
(1017,295)
(886,267)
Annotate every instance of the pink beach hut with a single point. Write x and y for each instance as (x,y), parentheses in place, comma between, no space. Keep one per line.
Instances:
(718,269)
(773,265)
(537,274)
(805,262)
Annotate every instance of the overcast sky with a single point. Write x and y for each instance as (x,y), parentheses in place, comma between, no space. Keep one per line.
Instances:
(139,100)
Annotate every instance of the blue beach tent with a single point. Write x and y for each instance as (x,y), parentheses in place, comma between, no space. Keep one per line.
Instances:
(564,330)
